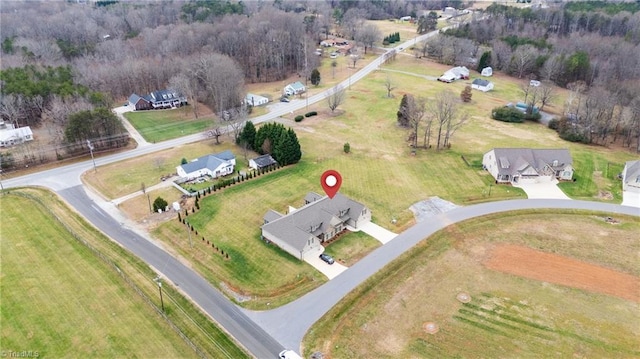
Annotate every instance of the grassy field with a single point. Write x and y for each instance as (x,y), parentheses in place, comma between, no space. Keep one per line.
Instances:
(72,304)
(508,315)
(380,162)
(161,125)
(351,247)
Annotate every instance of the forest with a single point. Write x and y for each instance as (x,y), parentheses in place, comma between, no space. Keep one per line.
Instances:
(62,58)
(592,50)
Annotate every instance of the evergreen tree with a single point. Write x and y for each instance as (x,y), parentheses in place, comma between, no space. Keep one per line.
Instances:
(403,116)
(315,77)
(485,60)
(248,135)
(159,203)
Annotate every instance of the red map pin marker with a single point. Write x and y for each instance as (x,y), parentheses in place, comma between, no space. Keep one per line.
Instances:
(331,181)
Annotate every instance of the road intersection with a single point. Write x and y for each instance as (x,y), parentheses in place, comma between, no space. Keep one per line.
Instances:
(264,334)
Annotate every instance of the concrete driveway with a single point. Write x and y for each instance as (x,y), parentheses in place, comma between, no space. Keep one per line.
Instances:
(631,199)
(542,190)
(330,270)
(377,232)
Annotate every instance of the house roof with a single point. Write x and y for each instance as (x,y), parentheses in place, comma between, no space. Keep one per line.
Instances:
(134,98)
(460,71)
(209,161)
(296,85)
(272,216)
(525,160)
(632,173)
(15,133)
(251,98)
(313,218)
(164,95)
(264,161)
(481,82)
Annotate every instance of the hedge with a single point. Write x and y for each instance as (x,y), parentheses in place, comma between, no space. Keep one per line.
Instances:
(507,114)
(309,114)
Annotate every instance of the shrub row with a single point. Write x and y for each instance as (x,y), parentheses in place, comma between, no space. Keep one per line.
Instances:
(309,114)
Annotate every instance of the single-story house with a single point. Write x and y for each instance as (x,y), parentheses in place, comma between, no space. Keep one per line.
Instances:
(9,135)
(301,232)
(631,184)
(487,71)
(294,88)
(455,73)
(157,99)
(534,83)
(525,165)
(255,100)
(262,162)
(482,85)
(327,43)
(216,165)
(405,18)
(139,102)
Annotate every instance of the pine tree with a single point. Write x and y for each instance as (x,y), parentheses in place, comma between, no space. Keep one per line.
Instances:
(403,116)
(315,77)
(485,60)
(248,135)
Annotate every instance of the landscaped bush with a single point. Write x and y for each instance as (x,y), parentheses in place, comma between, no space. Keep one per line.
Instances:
(298,118)
(507,114)
(309,114)
(533,117)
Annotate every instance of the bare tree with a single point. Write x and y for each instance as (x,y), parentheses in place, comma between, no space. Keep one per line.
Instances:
(368,35)
(547,93)
(353,58)
(444,109)
(186,84)
(238,117)
(12,109)
(523,60)
(334,64)
(336,97)
(416,112)
(222,80)
(389,86)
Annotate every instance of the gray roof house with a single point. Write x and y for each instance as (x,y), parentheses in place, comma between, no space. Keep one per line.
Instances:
(294,88)
(139,102)
(631,184)
(262,162)
(157,99)
(302,231)
(526,165)
(215,165)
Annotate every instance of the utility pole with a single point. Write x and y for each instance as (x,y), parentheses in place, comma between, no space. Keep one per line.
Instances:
(158,280)
(92,159)
(306,73)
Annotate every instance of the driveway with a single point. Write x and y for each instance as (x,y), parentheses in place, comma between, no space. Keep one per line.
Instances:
(631,199)
(542,190)
(330,270)
(127,125)
(377,232)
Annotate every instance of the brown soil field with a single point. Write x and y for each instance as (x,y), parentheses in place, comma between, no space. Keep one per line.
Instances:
(552,268)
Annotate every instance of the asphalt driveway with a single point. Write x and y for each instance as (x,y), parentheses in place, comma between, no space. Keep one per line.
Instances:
(542,190)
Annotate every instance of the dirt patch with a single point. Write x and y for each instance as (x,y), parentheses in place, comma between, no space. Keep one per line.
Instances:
(547,267)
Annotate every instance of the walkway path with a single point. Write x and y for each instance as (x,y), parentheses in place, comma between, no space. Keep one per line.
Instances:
(426,77)
(119,111)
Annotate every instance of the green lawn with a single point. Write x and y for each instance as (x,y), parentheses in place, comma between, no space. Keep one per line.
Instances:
(161,125)
(351,247)
(508,315)
(60,299)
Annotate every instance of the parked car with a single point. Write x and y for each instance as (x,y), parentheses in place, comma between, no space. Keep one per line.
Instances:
(327,258)
(288,354)
(334,55)
(284,99)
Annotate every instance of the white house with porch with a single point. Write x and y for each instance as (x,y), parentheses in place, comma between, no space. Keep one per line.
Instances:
(215,165)
(526,165)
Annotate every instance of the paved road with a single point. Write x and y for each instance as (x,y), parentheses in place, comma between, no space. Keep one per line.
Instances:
(289,323)
(66,181)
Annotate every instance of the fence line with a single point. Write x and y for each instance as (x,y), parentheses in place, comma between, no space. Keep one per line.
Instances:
(126,278)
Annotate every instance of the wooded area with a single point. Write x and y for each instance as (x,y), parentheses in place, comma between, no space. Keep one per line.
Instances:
(591,50)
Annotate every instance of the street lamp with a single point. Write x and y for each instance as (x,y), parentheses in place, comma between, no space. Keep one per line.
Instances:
(159,281)
(92,159)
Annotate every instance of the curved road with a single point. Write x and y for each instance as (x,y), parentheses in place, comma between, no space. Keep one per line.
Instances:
(264,334)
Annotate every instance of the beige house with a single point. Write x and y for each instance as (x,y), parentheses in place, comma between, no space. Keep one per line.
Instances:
(302,231)
(526,165)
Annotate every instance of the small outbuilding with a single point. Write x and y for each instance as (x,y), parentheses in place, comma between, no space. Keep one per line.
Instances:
(262,162)
(486,72)
(482,85)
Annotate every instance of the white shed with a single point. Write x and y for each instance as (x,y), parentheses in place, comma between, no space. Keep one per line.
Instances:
(487,71)
(482,85)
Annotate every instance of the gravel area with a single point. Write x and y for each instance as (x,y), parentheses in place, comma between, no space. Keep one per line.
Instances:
(431,207)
